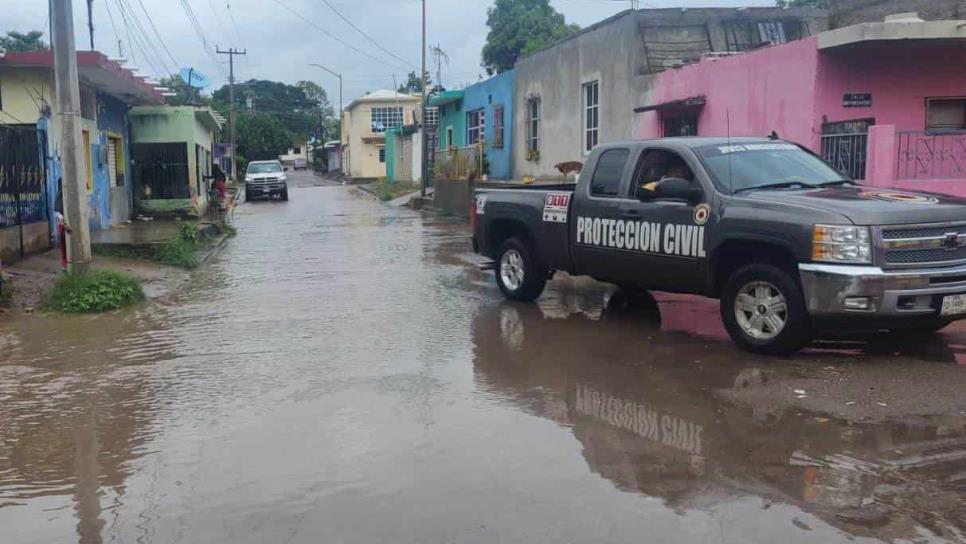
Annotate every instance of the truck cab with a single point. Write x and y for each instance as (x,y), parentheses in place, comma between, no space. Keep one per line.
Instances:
(787,243)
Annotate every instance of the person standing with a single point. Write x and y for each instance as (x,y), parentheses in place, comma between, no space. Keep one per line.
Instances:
(62,227)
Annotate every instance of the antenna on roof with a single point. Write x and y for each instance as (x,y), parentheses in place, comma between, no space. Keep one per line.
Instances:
(731,183)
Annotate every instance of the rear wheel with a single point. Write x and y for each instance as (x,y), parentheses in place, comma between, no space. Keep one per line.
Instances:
(763,309)
(517,273)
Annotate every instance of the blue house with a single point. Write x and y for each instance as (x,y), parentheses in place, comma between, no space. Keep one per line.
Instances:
(481,112)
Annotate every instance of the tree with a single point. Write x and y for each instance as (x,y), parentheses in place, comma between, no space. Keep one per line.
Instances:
(17,42)
(413,85)
(298,113)
(261,136)
(327,123)
(519,27)
(184,95)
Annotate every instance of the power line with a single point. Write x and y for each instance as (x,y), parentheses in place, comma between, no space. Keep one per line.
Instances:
(366,36)
(200,33)
(241,40)
(333,36)
(137,41)
(144,40)
(158,34)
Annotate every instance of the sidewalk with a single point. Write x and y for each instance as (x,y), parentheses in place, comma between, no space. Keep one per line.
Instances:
(33,277)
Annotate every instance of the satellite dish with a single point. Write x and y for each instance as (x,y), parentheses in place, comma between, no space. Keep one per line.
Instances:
(193,78)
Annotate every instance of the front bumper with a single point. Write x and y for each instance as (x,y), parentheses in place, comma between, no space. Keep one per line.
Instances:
(915,293)
(265,187)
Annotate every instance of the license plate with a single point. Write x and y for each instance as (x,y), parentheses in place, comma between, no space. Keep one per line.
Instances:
(266,190)
(953,304)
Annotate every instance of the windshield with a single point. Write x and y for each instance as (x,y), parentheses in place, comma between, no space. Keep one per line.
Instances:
(264,168)
(739,167)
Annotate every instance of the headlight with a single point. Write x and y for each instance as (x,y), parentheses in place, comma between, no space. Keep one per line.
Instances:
(841,244)
(249,178)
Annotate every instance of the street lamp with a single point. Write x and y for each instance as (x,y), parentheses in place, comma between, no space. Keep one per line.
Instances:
(340,84)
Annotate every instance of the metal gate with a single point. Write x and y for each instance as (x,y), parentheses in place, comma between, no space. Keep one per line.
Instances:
(161,170)
(23,177)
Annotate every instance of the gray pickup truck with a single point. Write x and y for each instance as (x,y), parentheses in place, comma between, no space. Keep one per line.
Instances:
(789,245)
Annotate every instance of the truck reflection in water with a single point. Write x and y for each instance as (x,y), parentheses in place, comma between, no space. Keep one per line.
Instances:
(645,406)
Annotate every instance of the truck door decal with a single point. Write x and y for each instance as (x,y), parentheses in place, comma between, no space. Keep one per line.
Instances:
(642,236)
(555,207)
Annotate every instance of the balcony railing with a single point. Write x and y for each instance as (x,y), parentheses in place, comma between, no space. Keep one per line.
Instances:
(931,155)
(846,152)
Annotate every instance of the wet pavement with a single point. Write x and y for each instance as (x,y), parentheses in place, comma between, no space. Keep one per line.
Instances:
(341,373)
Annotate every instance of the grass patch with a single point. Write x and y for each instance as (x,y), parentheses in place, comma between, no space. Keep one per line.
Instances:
(93,291)
(386,191)
(6,292)
(181,252)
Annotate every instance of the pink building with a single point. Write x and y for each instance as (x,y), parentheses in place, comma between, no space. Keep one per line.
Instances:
(885,102)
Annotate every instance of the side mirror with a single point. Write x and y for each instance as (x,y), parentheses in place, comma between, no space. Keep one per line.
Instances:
(285,169)
(671,189)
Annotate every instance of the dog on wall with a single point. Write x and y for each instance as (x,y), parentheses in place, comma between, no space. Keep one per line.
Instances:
(568,167)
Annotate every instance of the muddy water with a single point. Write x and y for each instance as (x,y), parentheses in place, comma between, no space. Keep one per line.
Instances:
(340,374)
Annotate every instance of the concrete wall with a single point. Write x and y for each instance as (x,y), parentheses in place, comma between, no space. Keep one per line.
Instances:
(363,156)
(452,116)
(110,204)
(453,196)
(760,91)
(36,238)
(850,12)
(486,95)
(899,75)
(607,53)
(24,91)
(623,53)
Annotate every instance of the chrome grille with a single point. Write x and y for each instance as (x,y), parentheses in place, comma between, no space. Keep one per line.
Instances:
(931,244)
(918,256)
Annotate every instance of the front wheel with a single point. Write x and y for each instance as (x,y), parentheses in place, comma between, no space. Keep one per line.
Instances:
(284,195)
(763,309)
(517,273)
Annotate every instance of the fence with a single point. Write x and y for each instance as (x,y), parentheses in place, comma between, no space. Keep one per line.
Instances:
(22,178)
(161,170)
(458,163)
(925,155)
(846,152)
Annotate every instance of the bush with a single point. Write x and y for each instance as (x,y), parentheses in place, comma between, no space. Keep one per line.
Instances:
(225,228)
(180,252)
(94,291)
(6,292)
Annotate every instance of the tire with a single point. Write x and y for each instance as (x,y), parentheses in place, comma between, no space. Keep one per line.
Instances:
(517,273)
(284,195)
(772,319)
(248,197)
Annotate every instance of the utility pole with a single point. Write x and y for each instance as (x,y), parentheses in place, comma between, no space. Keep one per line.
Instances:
(424,179)
(90,22)
(71,148)
(340,84)
(231,103)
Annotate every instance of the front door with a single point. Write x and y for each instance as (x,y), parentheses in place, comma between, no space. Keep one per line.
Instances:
(669,237)
(597,216)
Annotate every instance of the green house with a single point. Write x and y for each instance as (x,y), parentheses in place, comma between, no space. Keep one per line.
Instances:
(171,156)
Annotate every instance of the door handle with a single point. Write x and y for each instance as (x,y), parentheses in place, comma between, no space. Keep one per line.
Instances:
(631,214)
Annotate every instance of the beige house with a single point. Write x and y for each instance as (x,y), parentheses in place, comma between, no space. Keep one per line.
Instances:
(365,122)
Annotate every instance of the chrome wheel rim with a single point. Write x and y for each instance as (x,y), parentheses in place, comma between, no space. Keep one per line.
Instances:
(761,310)
(511,269)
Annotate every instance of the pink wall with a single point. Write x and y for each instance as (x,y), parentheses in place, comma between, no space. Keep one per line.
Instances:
(765,90)
(900,76)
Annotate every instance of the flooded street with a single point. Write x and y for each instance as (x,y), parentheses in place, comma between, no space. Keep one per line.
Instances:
(340,372)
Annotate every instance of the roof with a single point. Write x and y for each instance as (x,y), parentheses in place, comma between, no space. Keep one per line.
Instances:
(902,26)
(207,116)
(689,102)
(445,97)
(383,96)
(96,70)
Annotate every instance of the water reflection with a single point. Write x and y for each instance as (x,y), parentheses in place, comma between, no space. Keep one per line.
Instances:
(644,405)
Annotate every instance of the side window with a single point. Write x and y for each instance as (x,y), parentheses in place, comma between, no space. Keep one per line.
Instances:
(658,164)
(607,175)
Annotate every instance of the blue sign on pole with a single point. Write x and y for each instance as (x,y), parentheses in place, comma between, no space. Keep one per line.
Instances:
(193,78)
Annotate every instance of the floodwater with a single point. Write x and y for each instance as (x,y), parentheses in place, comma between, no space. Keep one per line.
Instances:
(339,373)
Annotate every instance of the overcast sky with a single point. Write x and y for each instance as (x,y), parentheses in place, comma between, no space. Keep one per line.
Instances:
(281,45)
